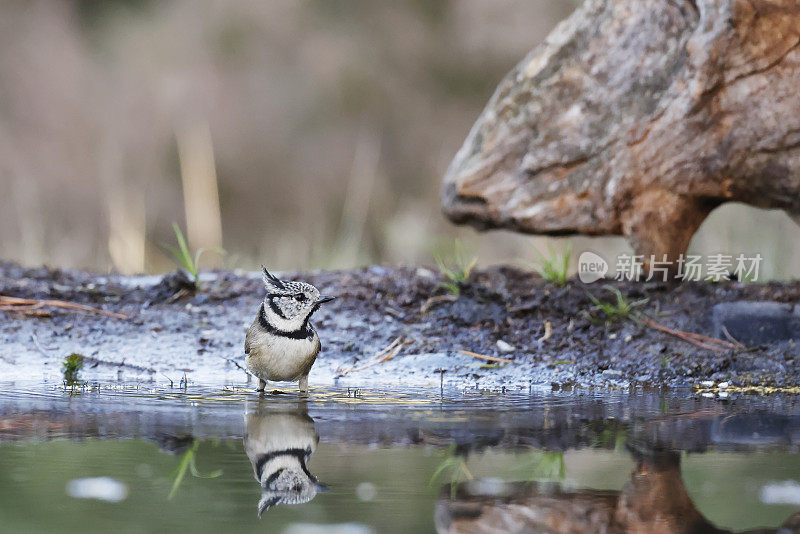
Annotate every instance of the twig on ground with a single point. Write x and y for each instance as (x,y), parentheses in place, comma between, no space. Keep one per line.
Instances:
(49,352)
(698,340)
(89,359)
(484,357)
(34,305)
(732,339)
(392,311)
(234,362)
(428,304)
(382,356)
(548,331)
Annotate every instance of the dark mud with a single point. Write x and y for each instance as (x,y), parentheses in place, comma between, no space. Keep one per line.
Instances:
(175,333)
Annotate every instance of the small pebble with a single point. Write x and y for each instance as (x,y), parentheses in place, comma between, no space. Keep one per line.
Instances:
(723,385)
(707,383)
(505,347)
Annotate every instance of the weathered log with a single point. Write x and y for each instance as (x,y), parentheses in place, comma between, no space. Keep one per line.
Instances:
(637,118)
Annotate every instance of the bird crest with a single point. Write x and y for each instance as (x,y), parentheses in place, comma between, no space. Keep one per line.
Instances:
(271,282)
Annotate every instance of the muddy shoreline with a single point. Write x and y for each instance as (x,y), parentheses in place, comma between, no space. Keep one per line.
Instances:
(174,333)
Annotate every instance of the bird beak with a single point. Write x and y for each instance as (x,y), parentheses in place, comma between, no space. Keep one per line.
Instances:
(323,300)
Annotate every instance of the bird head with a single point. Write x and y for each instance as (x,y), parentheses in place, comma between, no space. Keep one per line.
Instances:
(289,304)
(288,486)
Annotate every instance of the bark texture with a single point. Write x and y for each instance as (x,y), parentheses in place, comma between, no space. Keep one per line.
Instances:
(638,117)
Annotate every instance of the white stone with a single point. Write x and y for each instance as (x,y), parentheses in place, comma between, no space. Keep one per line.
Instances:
(505,347)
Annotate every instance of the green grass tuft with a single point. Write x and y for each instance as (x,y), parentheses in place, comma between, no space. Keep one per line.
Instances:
(72,366)
(555,266)
(183,257)
(456,269)
(619,310)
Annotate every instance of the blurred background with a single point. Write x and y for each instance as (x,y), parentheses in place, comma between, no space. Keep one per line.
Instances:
(299,134)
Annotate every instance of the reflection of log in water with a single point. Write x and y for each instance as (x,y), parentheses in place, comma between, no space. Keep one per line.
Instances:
(654,501)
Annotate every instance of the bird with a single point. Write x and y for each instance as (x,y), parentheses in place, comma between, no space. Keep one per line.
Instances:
(282,344)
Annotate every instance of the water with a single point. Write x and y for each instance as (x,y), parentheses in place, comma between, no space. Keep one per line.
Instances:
(132,459)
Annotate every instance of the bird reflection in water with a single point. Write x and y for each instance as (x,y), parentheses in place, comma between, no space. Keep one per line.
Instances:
(279,439)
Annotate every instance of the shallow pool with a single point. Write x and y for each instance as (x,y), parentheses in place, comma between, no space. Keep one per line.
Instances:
(130,458)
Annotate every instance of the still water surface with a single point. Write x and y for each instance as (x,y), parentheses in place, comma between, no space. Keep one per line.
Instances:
(133,459)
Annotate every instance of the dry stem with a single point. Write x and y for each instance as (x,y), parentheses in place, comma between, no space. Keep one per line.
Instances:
(31,306)
(484,357)
(698,340)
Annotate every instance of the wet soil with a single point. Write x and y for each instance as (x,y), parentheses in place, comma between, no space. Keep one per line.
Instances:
(175,333)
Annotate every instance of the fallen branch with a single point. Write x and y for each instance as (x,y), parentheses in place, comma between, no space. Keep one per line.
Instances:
(48,352)
(698,340)
(32,306)
(382,356)
(484,357)
(97,361)
(732,339)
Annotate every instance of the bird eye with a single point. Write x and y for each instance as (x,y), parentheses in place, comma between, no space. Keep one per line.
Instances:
(300,297)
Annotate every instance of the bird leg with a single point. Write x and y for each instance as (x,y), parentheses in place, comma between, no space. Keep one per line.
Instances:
(303,383)
(261,384)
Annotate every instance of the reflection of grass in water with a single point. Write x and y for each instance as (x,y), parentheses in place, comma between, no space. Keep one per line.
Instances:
(611,436)
(456,466)
(187,463)
(546,466)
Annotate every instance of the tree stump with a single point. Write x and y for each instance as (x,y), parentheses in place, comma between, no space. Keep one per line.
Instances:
(637,118)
